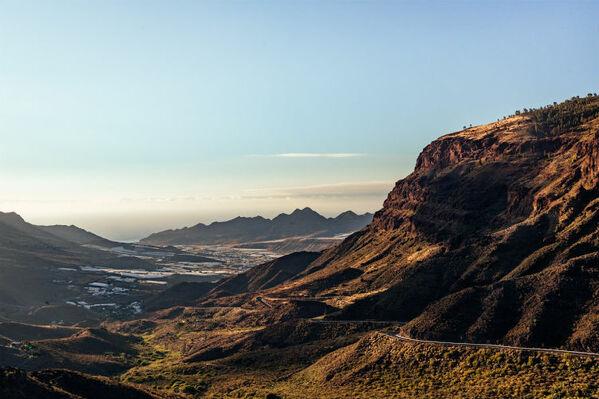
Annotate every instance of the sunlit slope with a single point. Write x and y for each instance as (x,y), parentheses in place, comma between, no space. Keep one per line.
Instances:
(493,237)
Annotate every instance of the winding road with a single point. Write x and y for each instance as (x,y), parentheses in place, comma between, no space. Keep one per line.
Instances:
(489,346)
(261,300)
(387,323)
(402,338)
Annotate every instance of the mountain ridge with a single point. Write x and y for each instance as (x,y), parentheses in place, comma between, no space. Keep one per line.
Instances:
(35,261)
(78,235)
(300,222)
(492,238)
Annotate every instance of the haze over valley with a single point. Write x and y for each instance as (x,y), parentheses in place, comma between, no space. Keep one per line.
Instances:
(290,200)
(82,277)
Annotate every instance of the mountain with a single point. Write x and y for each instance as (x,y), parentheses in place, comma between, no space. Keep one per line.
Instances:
(65,384)
(258,278)
(58,236)
(301,222)
(18,234)
(182,294)
(38,272)
(78,235)
(493,238)
(266,275)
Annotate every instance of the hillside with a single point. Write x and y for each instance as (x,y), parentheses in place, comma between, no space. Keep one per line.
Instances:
(258,278)
(40,272)
(492,238)
(301,222)
(78,235)
(376,366)
(304,359)
(64,384)
(181,294)
(17,234)
(267,275)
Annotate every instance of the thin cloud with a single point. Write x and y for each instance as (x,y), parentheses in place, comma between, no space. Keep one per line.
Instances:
(368,189)
(346,190)
(312,155)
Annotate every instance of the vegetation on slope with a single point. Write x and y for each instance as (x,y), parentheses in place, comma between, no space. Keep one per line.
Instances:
(375,366)
(379,366)
(65,384)
(492,238)
(556,119)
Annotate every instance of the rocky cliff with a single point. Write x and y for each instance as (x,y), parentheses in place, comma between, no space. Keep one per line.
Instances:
(492,238)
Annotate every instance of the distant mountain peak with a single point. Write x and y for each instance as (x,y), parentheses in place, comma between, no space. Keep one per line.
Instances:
(305,212)
(10,215)
(11,218)
(300,222)
(346,214)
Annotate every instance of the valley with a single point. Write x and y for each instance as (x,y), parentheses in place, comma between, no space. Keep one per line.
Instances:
(120,292)
(78,277)
(477,278)
(300,230)
(324,199)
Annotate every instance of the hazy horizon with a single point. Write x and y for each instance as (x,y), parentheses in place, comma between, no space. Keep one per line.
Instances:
(135,225)
(126,118)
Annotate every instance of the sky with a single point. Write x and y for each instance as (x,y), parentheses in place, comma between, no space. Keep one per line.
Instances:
(128,117)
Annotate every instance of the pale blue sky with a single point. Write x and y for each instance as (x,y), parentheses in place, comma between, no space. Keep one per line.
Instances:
(130,116)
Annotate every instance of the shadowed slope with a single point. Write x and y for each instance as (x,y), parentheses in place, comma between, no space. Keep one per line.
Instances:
(266,275)
(33,259)
(64,384)
(493,237)
(78,235)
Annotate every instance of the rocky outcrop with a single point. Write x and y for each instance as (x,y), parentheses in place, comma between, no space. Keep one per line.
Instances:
(493,237)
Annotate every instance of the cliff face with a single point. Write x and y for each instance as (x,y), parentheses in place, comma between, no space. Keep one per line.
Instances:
(493,237)
(499,172)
